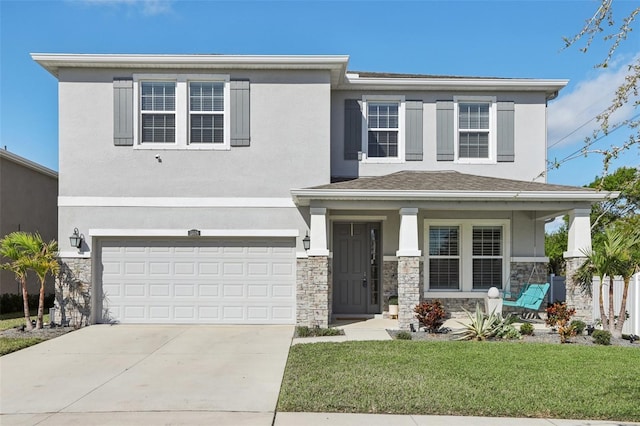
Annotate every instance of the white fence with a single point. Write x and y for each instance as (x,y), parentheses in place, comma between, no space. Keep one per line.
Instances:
(632,324)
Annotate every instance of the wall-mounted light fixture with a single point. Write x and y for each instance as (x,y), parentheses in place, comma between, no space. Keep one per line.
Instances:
(306,242)
(76,239)
(193,233)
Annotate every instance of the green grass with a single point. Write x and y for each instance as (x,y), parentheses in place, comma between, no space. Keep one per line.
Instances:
(16,319)
(12,344)
(464,378)
(9,344)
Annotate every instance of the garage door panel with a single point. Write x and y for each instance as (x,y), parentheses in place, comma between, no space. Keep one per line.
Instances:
(205,281)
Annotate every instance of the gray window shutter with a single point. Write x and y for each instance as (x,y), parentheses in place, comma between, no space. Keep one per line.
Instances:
(123,112)
(444,131)
(240,123)
(506,132)
(352,129)
(413,131)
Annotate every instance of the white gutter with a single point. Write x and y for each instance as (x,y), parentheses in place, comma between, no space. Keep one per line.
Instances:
(346,194)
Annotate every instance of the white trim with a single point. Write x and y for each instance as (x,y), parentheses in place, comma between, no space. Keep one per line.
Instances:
(287,233)
(531,259)
(242,202)
(302,255)
(74,254)
(477,294)
(400,100)
(354,218)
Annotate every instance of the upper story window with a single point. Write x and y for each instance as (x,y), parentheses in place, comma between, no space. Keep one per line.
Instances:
(475,129)
(158,112)
(182,111)
(206,112)
(383,133)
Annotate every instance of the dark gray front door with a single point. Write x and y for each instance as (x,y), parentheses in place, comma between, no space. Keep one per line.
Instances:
(355,268)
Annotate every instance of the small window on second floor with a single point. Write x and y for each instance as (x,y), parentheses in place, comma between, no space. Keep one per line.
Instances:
(206,112)
(383,129)
(473,128)
(158,112)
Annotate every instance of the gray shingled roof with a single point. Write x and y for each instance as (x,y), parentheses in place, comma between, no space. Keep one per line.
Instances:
(445,181)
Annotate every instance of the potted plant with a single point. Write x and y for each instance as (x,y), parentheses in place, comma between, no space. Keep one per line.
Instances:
(393,306)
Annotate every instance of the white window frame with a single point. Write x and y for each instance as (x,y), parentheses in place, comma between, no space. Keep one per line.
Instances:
(493,125)
(182,111)
(400,100)
(465,242)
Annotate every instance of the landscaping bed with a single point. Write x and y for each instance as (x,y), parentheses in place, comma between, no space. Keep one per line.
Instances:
(13,338)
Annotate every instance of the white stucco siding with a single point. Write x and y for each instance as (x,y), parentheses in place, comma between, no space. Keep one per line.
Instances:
(290,122)
(530,138)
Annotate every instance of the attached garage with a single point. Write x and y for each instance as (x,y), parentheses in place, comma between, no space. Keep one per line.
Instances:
(198,281)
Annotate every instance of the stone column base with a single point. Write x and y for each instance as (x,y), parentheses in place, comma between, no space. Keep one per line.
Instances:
(408,290)
(73,293)
(313,292)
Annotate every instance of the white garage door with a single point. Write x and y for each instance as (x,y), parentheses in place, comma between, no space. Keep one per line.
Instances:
(248,281)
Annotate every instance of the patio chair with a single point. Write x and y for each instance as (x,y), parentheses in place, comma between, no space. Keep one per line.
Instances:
(529,299)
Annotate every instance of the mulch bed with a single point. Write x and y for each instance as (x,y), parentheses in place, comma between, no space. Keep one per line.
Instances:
(45,333)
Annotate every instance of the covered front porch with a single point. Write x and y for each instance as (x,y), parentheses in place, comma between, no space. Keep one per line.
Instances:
(423,236)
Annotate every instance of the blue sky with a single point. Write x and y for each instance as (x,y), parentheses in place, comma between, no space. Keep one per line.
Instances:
(471,38)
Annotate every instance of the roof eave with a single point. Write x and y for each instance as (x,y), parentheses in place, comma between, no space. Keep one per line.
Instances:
(52,62)
(304,196)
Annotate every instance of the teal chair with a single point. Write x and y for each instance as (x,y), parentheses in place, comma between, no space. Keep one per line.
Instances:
(530,298)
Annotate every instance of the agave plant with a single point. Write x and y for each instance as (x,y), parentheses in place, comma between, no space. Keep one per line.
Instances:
(480,326)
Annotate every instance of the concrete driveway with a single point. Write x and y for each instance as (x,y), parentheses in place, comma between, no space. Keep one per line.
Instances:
(125,374)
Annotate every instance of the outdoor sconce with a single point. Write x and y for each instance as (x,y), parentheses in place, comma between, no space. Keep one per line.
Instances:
(76,239)
(306,242)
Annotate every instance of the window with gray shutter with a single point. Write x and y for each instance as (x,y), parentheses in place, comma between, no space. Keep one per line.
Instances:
(352,129)
(445,128)
(413,133)
(123,112)
(506,132)
(240,109)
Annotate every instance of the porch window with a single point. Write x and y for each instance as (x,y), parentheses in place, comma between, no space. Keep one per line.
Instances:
(487,257)
(444,257)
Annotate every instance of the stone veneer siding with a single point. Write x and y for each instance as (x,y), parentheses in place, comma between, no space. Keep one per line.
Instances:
(73,292)
(313,295)
(409,290)
(576,298)
(389,282)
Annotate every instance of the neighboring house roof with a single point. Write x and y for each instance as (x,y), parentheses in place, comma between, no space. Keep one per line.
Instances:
(336,64)
(27,163)
(446,185)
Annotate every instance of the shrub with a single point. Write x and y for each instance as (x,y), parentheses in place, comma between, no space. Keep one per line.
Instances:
(601,337)
(578,326)
(559,315)
(508,331)
(403,335)
(483,327)
(393,300)
(303,331)
(10,303)
(526,329)
(430,315)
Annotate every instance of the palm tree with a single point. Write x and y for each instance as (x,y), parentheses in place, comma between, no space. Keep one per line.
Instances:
(42,260)
(615,258)
(12,248)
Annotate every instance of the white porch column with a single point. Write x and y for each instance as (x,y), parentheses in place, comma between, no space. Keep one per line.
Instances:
(408,238)
(318,232)
(579,233)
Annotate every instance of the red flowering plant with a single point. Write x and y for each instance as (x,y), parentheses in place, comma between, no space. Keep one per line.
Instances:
(430,315)
(559,315)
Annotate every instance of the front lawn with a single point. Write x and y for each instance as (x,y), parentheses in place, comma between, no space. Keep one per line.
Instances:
(12,344)
(464,378)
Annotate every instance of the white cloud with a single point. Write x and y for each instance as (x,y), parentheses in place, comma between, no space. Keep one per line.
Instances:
(571,117)
(147,7)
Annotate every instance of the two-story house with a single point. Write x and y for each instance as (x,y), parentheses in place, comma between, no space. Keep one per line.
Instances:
(198,181)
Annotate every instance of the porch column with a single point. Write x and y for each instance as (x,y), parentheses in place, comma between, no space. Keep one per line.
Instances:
(313,276)
(579,239)
(408,267)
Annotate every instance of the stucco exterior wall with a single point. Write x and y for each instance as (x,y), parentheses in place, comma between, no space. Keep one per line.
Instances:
(530,138)
(28,202)
(288,134)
